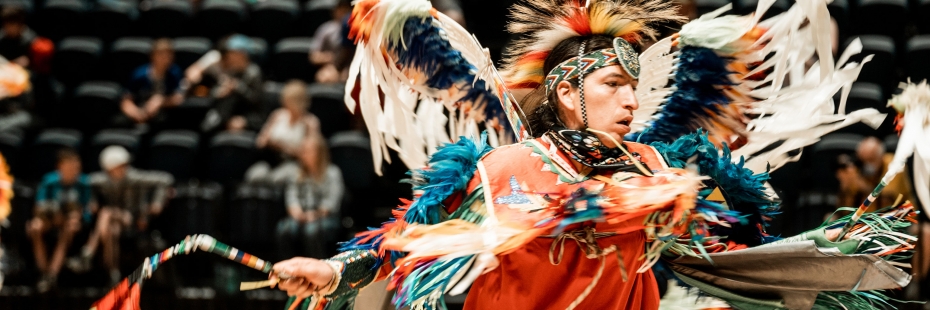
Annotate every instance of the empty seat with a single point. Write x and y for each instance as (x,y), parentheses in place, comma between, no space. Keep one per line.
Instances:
(230,155)
(166,18)
(11,143)
(922,12)
(173,151)
(863,95)
(189,114)
(187,50)
(126,55)
(291,60)
(126,138)
(44,151)
(327,103)
(253,213)
(191,210)
(110,20)
(707,6)
(918,58)
(273,20)
(76,59)
(96,105)
(881,17)
(218,18)
(891,143)
(824,154)
(881,70)
(314,14)
(749,6)
(839,10)
(60,12)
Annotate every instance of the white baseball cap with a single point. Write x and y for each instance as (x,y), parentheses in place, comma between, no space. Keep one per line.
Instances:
(113,156)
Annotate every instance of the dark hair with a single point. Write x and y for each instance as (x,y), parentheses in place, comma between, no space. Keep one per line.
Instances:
(13,14)
(541,110)
(66,154)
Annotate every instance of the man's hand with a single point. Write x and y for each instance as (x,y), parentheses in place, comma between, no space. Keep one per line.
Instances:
(305,276)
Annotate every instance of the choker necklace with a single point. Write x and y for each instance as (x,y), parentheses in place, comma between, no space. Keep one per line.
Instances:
(587,149)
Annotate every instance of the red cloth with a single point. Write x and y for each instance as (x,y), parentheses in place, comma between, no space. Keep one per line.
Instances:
(526,279)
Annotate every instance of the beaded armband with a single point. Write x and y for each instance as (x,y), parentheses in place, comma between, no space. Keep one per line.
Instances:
(354,270)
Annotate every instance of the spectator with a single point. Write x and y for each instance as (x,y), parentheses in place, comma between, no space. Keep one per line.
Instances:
(128,198)
(286,130)
(154,85)
(326,48)
(859,177)
(62,198)
(15,37)
(237,84)
(313,203)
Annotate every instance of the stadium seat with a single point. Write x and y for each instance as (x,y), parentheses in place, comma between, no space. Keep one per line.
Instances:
(253,213)
(314,14)
(839,10)
(230,155)
(166,18)
(881,70)
(273,20)
(11,145)
(76,60)
(173,151)
(95,105)
(351,152)
(707,6)
(918,58)
(122,137)
(218,18)
(189,114)
(922,12)
(819,198)
(24,4)
(110,20)
(44,151)
(748,6)
(272,96)
(187,50)
(881,17)
(863,95)
(291,60)
(259,51)
(890,142)
(55,13)
(191,211)
(327,103)
(127,54)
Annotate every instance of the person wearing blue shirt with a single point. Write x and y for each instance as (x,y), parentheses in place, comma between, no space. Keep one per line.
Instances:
(153,86)
(62,200)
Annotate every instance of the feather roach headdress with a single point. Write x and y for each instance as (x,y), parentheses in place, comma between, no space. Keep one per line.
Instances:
(541,25)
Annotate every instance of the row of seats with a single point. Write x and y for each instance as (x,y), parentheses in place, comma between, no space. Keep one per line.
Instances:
(883,69)
(882,17)
(79,59)
(185,154)
(271,20)
(95,103)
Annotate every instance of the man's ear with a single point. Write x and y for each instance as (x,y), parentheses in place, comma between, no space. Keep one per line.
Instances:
(563,92)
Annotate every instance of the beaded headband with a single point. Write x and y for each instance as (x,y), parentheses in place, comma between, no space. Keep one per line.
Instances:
(622,53)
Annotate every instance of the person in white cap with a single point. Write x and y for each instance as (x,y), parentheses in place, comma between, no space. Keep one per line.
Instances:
(128,198)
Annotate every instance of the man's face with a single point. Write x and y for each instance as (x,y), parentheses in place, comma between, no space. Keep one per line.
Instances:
(69,169)
(117,173)
(162,59)
(236,61)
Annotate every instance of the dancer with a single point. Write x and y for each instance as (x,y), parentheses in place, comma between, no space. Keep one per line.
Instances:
(571,217)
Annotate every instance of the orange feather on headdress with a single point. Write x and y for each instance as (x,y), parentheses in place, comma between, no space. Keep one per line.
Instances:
(542,24)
